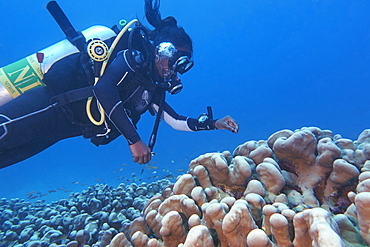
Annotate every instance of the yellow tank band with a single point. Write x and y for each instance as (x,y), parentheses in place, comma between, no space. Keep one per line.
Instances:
(21,76)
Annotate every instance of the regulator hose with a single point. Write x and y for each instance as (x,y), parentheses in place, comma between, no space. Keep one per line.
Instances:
(105,63)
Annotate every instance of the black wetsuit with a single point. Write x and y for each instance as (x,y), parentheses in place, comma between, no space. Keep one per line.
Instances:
(33,122)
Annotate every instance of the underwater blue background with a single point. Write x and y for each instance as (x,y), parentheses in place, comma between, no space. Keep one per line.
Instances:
(271,64)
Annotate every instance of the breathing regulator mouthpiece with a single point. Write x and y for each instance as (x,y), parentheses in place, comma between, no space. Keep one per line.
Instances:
(174,85)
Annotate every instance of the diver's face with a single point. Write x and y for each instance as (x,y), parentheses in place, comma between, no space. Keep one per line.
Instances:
(162,65)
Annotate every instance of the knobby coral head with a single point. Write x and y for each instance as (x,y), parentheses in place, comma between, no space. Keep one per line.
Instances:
(306,187)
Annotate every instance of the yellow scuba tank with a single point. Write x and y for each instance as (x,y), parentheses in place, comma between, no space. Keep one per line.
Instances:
(27,73)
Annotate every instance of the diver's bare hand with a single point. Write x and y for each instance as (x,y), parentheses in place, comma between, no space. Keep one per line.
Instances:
(140,152)
(227,123)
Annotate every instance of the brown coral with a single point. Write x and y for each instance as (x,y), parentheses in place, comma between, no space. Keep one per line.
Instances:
(288,190)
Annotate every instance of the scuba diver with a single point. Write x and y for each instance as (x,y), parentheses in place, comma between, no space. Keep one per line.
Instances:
(136,80)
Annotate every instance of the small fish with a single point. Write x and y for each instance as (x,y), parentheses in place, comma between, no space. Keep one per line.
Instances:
(180,170)
(51,191)
(60,188)
(97,180)
(121,169)
(44,194)
(75,182)
(83,184)
(156,176)
(31,193)
(150,178)
(132,174)
(33,197)
(124,164)
(169,177)
(67,190)
(142,170)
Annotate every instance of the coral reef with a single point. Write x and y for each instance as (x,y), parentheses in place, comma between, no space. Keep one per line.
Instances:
(302,188)
(93,216)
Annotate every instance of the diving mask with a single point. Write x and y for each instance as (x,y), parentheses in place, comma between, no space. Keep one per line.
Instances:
(183,64)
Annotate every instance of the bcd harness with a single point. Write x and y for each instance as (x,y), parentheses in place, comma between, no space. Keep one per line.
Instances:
(101,56)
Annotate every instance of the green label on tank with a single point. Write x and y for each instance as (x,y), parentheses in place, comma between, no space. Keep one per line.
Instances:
(21,76)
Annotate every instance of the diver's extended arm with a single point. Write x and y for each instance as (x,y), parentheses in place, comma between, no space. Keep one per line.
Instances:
(179,122)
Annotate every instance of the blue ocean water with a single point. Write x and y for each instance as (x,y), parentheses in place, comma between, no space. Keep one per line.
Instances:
(271,64)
